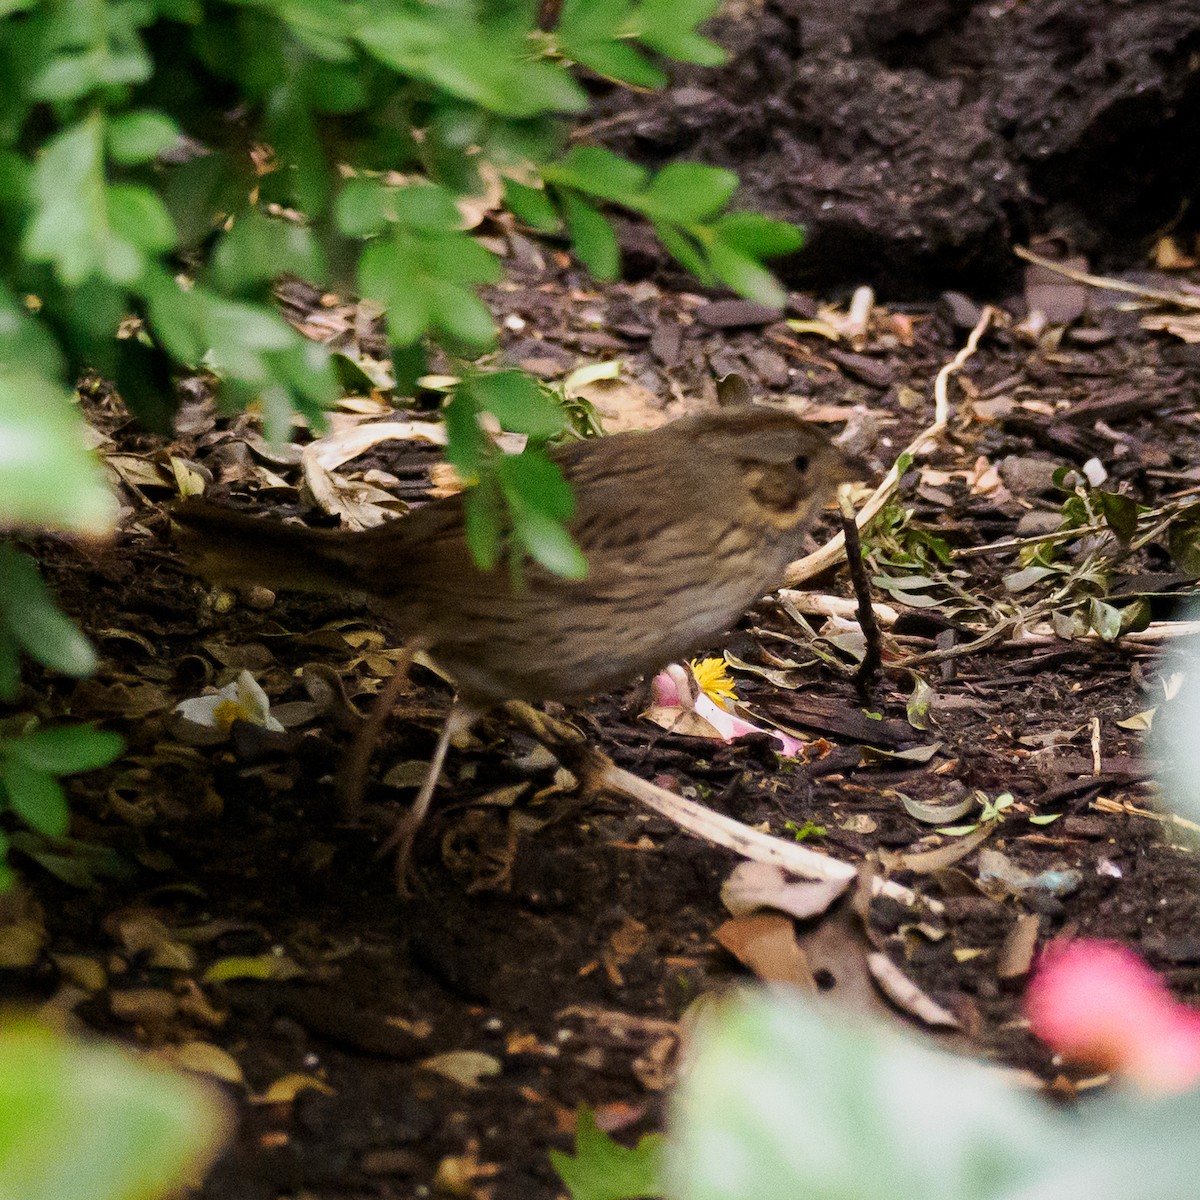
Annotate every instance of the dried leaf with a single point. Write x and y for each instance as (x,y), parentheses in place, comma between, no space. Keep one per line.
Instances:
(766,943)
(755,885)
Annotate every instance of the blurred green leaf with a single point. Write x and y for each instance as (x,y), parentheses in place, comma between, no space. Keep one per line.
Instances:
(669,27)
(34,795)
(389,274)
(258,249)
(82,1121)
(34,622)
(540,500)
(426,207)
(482,63)
(481,512)
(65,750)
(460,314)
(364,207)
(880,1117)
(138,216)
(137,137)
(599,172)
(615,60)
(49,479)
(532,206)
(686,192)
(69,228)
(531,481)
(602,1169)
(518,403)
(468,445)
(684,250)
(758,236)
(746,276)
(594,240)
(549,543)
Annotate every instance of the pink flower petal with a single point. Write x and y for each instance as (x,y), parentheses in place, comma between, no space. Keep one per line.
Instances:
(1099,1003)
(730,726)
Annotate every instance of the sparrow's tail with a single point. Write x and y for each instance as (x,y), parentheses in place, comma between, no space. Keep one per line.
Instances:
(235,548)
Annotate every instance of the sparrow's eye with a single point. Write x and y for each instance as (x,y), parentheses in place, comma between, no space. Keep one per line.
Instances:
(800,462)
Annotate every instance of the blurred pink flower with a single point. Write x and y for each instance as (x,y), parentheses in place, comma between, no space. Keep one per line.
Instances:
(1098,1003)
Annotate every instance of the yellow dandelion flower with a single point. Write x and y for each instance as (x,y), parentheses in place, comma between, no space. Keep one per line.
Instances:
(714,679)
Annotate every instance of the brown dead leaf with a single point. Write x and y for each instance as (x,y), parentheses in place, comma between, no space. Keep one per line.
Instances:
(468,1068)
(286,1088)
(1016,955)
(1185,326)
(203,1058)
(766,943)
(143,1006)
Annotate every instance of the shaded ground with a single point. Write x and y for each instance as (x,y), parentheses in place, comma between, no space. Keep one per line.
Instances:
(564,936)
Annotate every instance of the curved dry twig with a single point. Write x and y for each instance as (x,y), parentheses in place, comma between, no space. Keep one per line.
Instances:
(820,560)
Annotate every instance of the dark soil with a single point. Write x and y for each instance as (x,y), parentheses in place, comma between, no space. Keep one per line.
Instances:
(917,142)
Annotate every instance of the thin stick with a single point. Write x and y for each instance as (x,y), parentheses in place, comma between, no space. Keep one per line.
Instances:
(868,669)
(600,773)
(1180,299)
(821,560)
(352,780)
(458,720)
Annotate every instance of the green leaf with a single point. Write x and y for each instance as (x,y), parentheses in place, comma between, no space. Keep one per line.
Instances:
(481,514)
(466,444)
(684,250)
(746,276)
(389,273)
(137,137)
(602,1169)
(69,226)
(594,240)
(65,750)
(1104,619)
(883,1118)
(34,622)
(532,482)
(598,172)
(460,314)
(1120,514)
(35,796)
(425,206)
(532,206)
(616,60)
(548,541)
(1183,540)
(688,192)
(49,479)
(458,258)
(26,344)
(86,1121)
(1020,581)
(518,403)
(758,236)
(139,217)
(364,207)
(258,249)
(669,27)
